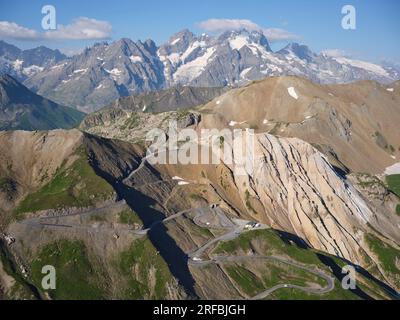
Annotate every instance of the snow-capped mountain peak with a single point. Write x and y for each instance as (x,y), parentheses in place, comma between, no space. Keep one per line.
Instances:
(240,38)
(104,72)
(301,51)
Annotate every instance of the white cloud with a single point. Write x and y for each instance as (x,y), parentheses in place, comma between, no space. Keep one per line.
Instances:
(336,53)
(80,29)
(276,34)
(12,30)
(221,25)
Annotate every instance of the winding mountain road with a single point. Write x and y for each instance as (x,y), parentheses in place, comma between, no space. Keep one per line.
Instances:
(235,231)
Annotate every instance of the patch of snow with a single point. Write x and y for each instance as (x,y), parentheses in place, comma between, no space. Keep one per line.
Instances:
(32,70)
(238,43)
(308,117)
(271,68)
(363,65)
(265,121)
(17,64)
(66,81)
(100,59)
(183,183)
(177,178)
(80,70)
(115,72)
(136,59)
(393,157)
(193,69)
(292,93)
(164,61)
(218,102)
(58,65)
(192,47)
(245,71)
(144,108)
(390,89)
(331,94)
(394,169)
(174,58)
(175,41)
(99,86)
(234,123)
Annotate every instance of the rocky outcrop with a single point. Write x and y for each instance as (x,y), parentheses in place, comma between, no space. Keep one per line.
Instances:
(133,126)
(301,193)
(294,188)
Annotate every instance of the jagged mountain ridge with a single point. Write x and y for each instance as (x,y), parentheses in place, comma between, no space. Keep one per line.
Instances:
(22,64)
(172,99)
(104,72)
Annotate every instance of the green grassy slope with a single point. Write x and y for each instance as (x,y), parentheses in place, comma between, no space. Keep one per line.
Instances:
(393,182)
(76,275)
(270,243)
(74,186)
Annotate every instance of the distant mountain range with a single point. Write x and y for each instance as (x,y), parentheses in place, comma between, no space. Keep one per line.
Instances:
(105,72)
(21,109)
(22,64)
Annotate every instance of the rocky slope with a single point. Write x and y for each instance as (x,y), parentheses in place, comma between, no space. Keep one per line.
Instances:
(133,126)
(71,191)
(132,117)
(301,193)
(21,109)
(294,188)
(356,124)
(61,208)
(104,72)
(28,160)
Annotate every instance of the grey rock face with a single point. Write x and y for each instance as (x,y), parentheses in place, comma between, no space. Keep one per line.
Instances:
(105,72)
(101,74)
(22,64)
(169,99)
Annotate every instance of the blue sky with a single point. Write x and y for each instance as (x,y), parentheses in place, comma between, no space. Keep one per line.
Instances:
(316,23)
